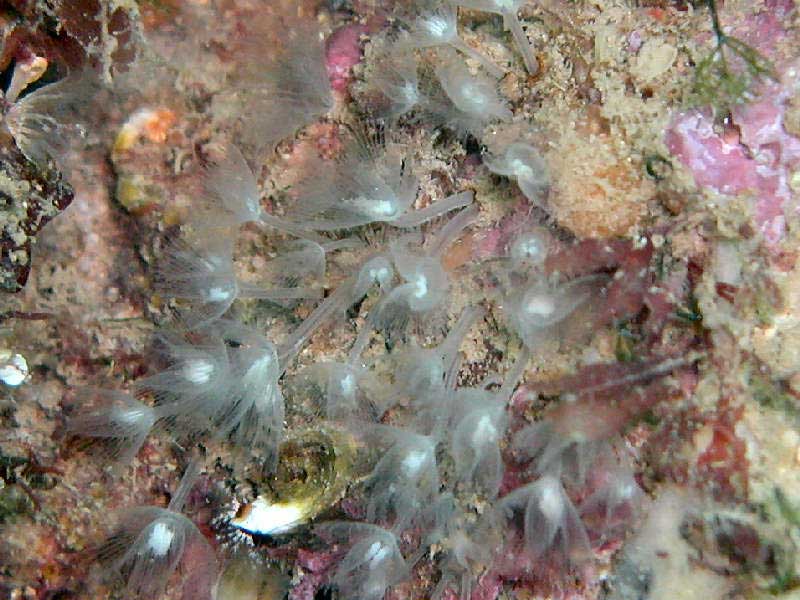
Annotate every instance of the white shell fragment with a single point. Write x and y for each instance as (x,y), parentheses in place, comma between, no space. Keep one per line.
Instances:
(13,368)
(261,517)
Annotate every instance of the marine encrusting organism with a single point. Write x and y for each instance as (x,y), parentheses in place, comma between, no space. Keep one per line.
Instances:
(538,310)
(550,521)
(365,185)
(425,285)
(117,421)
(466,549)
(373,563)
(302,263)
(522,162)
(529,249)
(426,377)
(479,425)
(397,81)
(276,97)
(149,544)
(252,410)
(196,375)
(205,277)
(562,447)
(438,26)
(616,497)
(413,432)
(469,103)
(405,480)
(230,197)
(341,388)
(48,122)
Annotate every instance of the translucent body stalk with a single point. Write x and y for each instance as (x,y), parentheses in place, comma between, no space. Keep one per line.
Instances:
(376,270)
(450,232)
(418,217)
(514,374)
(328,308)
(484,61)
(270,220)
(524,46)
(247,290)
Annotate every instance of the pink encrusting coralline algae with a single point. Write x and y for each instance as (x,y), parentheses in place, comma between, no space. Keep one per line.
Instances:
(757,151)
(754,155)
(342,53)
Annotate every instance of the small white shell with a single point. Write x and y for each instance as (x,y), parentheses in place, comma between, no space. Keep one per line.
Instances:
(261,517)
(13,368)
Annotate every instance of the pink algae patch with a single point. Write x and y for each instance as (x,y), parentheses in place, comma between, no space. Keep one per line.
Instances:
(755,155)
(342,53)
(715,162)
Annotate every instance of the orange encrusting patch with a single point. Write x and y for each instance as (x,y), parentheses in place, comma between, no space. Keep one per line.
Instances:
(595,193)
(158,125)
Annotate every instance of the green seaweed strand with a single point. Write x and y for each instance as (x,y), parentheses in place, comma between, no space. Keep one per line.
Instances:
(716,83)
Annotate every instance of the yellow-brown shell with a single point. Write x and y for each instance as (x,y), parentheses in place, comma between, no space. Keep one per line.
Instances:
(314,469)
